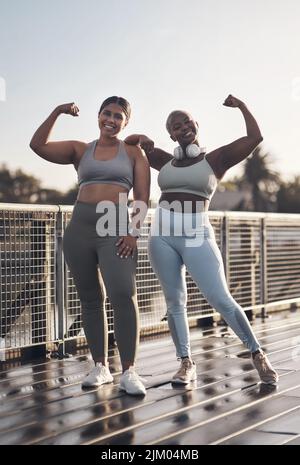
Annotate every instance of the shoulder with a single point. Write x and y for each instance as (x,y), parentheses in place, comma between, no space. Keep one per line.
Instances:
(135,152)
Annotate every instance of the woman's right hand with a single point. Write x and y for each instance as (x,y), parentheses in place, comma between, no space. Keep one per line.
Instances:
(68,109)
(143,141)
(146,143)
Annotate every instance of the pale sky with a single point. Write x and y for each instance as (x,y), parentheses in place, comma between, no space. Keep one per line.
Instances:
(160,55)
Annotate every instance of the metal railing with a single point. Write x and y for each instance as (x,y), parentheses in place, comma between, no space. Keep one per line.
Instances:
(39,302)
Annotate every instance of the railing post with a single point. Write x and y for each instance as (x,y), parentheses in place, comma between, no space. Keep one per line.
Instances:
(263,267)
(225,246)
(225,252)
(60,283)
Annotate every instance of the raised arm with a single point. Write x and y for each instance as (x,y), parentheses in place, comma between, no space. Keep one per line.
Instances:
(63,152)
(157,158)
(230,155)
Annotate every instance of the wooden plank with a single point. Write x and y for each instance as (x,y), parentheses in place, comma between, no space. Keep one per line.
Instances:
(44,402)
(171,407)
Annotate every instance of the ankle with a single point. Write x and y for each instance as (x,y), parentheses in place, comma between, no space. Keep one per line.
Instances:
(126,367)
(258,351)
(187,357)
(102,362)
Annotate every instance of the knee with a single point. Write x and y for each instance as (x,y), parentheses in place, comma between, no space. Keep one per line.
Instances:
(176,298)
(224,303)
(176,310)
(92,305)
(176,304)
(122,296)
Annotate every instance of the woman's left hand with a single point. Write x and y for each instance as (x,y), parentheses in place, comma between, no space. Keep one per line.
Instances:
(232,101)
(126,246)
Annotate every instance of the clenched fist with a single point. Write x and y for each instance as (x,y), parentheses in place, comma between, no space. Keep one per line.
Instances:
(232,101)
(68,109)
(143,141)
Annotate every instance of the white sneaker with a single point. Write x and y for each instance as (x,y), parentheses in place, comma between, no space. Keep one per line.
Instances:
(100,374)
(131,383)
(186,373)
(265,370)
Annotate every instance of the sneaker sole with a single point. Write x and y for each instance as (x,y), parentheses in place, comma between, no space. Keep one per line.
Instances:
(270,382)
(96,385)
(132,393)
(180,381)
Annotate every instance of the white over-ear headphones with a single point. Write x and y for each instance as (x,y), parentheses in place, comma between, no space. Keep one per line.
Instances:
(192,151)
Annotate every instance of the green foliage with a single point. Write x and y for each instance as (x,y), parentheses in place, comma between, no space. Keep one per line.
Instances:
(288,196)
(19,187)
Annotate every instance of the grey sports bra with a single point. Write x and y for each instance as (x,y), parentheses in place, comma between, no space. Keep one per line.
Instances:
(118,170)
(198,179)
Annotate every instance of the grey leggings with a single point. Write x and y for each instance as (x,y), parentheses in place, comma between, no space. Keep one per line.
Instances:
(84,252)
(170,254)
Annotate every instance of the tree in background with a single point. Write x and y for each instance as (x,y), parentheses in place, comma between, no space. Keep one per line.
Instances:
(19,187)
(262,180)
(269,192)
(288,196)
(53,197)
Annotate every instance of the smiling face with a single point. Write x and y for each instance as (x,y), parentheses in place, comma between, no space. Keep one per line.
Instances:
(111,120)
(182,128)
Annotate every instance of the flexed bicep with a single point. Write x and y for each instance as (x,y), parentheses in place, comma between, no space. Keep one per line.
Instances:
(231,154)
(63,152)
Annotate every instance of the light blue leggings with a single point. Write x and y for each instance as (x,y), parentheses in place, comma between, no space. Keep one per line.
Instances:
(170,254)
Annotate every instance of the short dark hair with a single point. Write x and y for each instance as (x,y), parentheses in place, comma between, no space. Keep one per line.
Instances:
(122,102)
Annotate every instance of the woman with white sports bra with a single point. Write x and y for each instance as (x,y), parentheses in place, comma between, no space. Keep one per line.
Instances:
(98,235)
(182,236)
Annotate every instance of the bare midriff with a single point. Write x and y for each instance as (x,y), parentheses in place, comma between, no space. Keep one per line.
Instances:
(95,193)
(189,203)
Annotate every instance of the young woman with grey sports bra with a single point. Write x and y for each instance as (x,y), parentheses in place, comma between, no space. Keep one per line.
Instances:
(98,235)
(182,236)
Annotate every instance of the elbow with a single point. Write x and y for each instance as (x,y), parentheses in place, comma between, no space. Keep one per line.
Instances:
(256,140)
(33,146)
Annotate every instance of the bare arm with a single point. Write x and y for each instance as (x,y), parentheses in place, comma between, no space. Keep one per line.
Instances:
(63,152)
(141,188)
(230,155)
(157,158)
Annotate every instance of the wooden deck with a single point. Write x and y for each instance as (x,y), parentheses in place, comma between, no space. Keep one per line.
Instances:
(43,402)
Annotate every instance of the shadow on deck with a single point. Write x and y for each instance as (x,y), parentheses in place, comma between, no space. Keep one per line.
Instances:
(43,402)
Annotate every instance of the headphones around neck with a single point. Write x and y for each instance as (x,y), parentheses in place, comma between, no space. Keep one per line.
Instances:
(192,151)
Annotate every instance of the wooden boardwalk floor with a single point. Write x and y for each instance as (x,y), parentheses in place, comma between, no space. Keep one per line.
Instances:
(43,402)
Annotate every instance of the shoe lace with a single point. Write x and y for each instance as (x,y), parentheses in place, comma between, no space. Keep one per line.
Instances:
(184,367)
(133,376)
(263,362)
(99,370)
